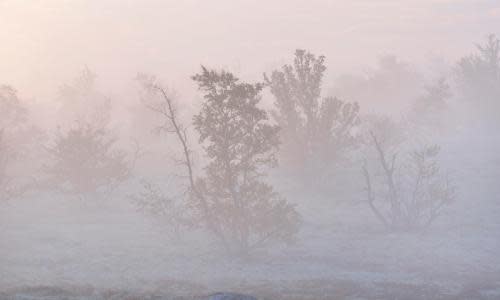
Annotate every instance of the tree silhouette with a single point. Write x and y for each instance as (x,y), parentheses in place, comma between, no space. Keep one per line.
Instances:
(478,78)
(316,131)
(85,157)
(408,195)
(86,162)
(17,135)
(240,144)
(231,200)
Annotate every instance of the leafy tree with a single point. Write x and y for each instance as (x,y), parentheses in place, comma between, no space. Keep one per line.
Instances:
(240,144)
(316,131)
(389,86)
(85,157)
(18,130)
(232,200)
(82,101)
(13,113)
(427,116)
(86,161)
(7,191)
(16,138)
(429,108)
(478,78)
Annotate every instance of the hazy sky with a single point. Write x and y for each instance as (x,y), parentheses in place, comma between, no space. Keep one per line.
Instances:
(46,42)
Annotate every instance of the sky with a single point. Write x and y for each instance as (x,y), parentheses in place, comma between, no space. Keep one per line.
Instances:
(45,43)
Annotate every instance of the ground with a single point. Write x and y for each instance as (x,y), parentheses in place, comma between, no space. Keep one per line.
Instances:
(57,248)
(103,255)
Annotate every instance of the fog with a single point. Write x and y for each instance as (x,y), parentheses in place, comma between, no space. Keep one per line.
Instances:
(241,150)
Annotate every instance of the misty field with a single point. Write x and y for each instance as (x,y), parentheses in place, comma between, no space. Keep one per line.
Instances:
(73,251)
(244,150)
(113,255)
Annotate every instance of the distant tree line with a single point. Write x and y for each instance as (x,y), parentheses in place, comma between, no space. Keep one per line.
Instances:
(228,192)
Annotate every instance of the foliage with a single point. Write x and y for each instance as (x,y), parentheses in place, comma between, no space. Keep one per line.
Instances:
(315,131)
(429,109)
(427,117)
(85,161)
(478,78)
(16,137)
(82,101)
(7,191)
(11,109)
(385,87)
(240,144)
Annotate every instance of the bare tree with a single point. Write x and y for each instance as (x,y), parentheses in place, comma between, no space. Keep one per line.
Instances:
(160,100)
(413,194)
(167,109)
(151,200)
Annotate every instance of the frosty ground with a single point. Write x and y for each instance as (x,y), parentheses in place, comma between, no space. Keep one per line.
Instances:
(98,255)
(58,248)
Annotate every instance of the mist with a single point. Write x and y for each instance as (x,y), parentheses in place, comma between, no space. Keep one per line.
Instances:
(241,150)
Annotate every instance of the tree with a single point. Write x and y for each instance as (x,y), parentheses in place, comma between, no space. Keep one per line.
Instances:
(171,209)
(429,108)
(389,132)
(240,144)
(13,113)
(426,117)
(151,200)
(389,86)
(478,78)
(316,131)
(16,137)
(413,193)
(85,157)
(7,191)
(86,162)
(82,101)
(231,201)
